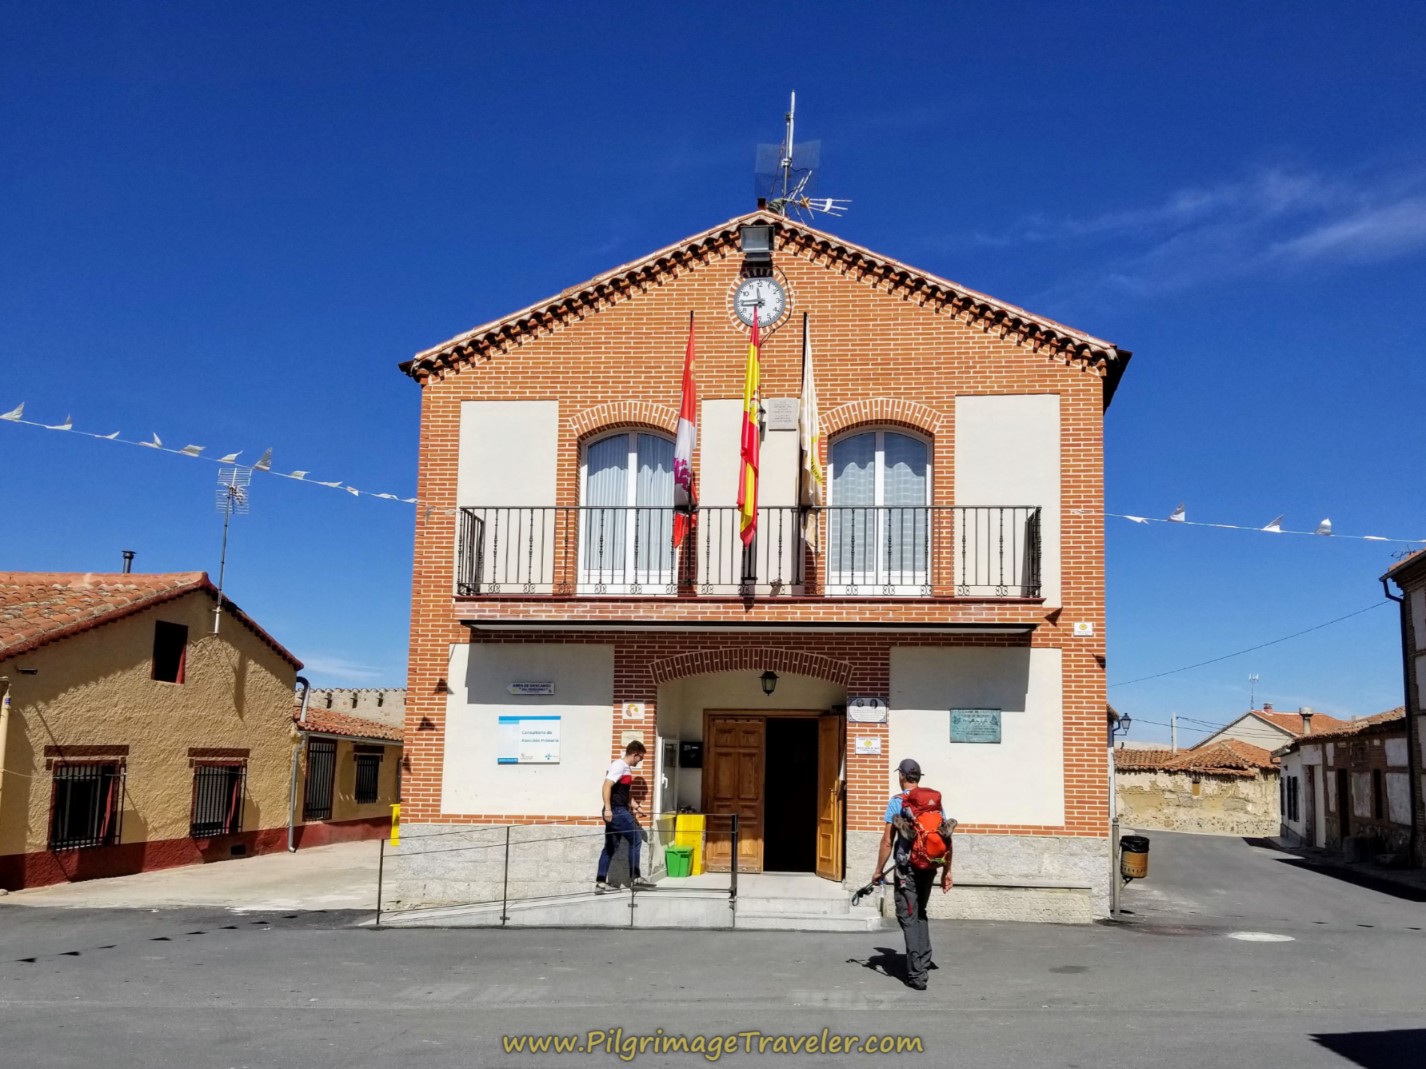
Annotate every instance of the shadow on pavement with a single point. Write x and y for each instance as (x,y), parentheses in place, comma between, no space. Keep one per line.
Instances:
(1360,879)
(1378,1050)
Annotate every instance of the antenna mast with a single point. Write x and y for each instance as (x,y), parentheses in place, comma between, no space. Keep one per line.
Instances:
(787,147)
(232,499)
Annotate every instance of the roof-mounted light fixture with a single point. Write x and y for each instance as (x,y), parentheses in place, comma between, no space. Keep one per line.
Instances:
(757,243)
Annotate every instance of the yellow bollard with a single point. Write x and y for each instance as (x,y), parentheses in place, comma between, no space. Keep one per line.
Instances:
(396,824)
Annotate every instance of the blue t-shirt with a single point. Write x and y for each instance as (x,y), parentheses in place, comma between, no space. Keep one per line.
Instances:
(900,845)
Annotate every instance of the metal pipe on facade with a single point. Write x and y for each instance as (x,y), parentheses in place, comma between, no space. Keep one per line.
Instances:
(292,785)
(4,731)
(1413,746)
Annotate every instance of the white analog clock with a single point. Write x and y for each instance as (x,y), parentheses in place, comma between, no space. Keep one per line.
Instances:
(763,294)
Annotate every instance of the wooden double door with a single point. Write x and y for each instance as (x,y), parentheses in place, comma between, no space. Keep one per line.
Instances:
(735,781)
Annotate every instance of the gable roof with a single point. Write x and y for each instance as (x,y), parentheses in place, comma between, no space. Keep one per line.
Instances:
(1399,570)
(331,722)
(1289,724)
(39,608)
(576,302)
(1231,757)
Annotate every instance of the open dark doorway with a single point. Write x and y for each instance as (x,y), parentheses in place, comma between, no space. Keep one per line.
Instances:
(1344,803)
(790,795)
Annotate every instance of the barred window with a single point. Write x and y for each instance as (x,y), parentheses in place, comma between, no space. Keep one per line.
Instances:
(217,799)
(86,804)
(321,771)
(368,773)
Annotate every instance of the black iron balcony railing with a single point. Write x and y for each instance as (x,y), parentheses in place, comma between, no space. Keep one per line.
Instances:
(890,551)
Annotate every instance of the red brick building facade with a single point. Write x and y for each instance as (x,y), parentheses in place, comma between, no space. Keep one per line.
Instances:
(960,595)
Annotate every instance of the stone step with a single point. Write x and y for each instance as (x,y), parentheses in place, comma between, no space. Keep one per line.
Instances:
(820,905)
(858,920)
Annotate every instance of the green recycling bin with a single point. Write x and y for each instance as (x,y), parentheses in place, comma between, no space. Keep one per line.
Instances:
(678,860)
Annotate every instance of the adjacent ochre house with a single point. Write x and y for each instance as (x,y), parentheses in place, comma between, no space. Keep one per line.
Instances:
(1228,787)
(350,773)
(132,736)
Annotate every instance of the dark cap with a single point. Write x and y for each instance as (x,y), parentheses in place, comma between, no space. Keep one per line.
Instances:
(909,768)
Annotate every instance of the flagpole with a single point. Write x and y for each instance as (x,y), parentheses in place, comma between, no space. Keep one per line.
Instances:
(801,449)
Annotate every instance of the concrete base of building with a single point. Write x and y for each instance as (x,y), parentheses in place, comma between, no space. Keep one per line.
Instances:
(999,877)
(1060,879)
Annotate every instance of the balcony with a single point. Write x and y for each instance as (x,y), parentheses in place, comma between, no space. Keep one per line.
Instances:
(968,552)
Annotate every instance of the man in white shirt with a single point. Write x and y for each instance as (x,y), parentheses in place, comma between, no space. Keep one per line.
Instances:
(619,821)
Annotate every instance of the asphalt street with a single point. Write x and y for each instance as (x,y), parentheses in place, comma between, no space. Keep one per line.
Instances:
(1232,956)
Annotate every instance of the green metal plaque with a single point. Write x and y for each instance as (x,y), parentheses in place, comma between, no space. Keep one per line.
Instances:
(975,725)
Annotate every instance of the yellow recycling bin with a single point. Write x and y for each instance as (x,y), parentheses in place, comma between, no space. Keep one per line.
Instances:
(688,831)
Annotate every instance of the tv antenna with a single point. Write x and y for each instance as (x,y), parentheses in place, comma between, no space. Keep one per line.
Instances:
(782,173)
(233,500)
(1252,691)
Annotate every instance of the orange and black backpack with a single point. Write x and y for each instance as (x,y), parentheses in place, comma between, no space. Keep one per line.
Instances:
(923,822)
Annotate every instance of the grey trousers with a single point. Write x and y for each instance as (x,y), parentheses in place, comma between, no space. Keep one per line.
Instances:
(913,891)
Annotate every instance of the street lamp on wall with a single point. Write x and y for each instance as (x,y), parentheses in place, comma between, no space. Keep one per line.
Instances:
(769,682)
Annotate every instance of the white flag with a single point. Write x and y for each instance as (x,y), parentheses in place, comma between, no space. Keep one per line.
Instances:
(809,430)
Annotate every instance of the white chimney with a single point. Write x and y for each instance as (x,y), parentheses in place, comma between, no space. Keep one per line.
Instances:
(1306,713)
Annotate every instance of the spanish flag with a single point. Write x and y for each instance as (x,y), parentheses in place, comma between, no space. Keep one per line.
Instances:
(751,440)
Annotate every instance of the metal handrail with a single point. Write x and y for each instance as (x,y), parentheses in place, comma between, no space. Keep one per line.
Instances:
(975,551)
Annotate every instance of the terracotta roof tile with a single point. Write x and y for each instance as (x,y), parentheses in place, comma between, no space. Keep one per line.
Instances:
(1293,721)
(331,722)
(38,608)
(1231,757)
(1356,727)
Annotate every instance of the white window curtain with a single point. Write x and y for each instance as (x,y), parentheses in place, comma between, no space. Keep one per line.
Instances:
(878,526)
(627,521)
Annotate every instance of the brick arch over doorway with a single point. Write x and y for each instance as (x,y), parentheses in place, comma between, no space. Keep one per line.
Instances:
(751,658)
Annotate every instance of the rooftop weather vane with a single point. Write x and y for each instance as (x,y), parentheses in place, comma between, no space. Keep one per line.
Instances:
(783,172)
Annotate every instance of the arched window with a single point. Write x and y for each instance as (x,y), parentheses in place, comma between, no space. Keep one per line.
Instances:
(626,523)
(879,513)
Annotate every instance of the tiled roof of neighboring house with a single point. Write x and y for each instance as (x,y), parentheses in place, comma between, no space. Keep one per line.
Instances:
(39,608)
(1406,564)
(331,722)
(1384,721)
(577,301)
(1293,721)
(1231,757)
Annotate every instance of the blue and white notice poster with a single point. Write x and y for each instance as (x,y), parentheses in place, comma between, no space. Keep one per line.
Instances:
(528,740)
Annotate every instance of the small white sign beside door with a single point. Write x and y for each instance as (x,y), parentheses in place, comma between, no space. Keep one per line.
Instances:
(531,688)
(869,745)
(781,413)
(866,710)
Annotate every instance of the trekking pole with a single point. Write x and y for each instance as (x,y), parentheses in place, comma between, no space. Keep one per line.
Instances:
(869,888)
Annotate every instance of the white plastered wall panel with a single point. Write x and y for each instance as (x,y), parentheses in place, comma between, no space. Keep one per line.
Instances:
(1396,752)
(1007,452)
(718,439)
(509,451)
(1019,780)
(473,781)
(1398,798)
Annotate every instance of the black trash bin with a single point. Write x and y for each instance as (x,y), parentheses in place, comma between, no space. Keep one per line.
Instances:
(1134,856)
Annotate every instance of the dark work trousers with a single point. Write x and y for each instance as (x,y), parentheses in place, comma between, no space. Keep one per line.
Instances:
(622,829)
(913,891)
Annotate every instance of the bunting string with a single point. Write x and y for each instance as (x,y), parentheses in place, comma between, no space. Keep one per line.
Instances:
(264,464)
(1180,516)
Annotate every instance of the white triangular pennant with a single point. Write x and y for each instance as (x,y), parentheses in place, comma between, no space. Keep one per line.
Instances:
(15,413)
(192,450)
(157,443)
(352,490)
(1137,519)
(1275,527)
(1324,528)
(231,458)
(67,425)
(298,475)
(108,437)
(333,485)
(1179,514)
(264,462)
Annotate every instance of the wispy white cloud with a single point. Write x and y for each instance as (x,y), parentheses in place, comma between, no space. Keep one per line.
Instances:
(1270,220)
(339,669)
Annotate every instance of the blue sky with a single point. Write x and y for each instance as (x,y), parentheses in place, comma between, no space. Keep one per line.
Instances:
(228,224)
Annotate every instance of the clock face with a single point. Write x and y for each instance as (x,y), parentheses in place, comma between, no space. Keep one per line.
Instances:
(766,296)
